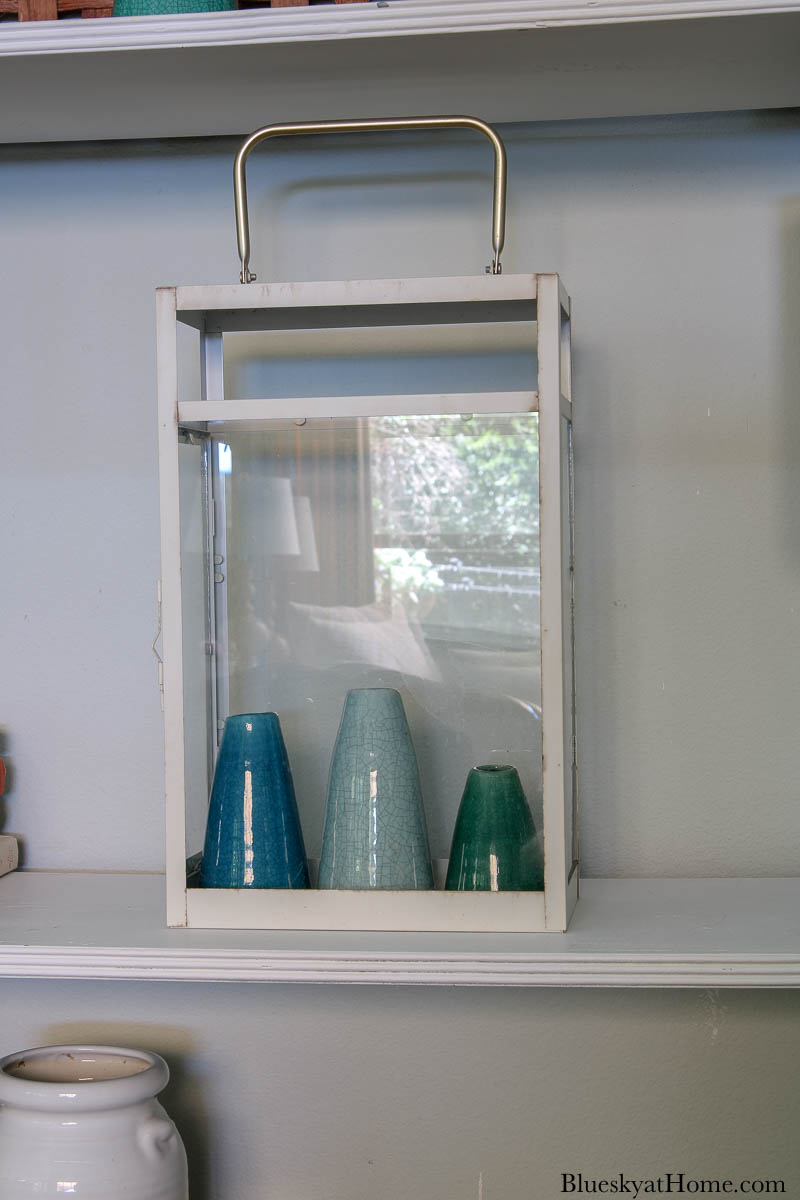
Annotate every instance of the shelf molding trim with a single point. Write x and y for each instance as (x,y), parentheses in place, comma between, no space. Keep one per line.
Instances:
(436,970)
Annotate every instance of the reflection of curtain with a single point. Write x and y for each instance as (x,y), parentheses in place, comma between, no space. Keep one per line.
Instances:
(329,463)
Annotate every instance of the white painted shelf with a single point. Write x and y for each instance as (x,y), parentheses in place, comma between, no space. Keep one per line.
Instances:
(625,933)
(505,60)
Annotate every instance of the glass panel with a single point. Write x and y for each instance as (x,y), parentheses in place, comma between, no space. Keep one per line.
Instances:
(568,593)
(198,745)
(387,551)
(380,361)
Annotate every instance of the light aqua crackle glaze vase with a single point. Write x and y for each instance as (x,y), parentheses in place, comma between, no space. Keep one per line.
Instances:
(253,834)
(375,834)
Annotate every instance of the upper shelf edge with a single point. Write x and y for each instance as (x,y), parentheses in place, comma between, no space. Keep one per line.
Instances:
(224,74)
(391,18)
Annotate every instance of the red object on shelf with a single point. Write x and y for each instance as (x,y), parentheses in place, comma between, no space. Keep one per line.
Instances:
(51,10)
(2,776)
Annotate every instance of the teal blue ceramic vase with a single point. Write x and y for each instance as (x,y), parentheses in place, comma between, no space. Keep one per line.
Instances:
(253,834)
(375,834)
(495,847)
(152,8)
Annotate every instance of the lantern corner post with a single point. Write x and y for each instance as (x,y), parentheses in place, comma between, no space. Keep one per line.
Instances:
(170,621)
(555,456)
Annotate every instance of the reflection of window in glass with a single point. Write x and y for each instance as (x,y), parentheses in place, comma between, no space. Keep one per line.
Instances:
(456,524)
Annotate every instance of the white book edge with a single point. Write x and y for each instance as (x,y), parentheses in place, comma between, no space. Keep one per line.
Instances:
(9,853)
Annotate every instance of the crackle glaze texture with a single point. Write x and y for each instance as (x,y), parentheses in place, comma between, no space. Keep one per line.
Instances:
(253,834)
(375,834)
(149,8)
(495,847)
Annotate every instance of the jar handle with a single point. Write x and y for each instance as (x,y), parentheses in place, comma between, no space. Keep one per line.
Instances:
(369,126)
(156,1136)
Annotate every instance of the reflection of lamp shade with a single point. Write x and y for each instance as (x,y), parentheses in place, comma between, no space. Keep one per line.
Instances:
(280,524)
(308,560)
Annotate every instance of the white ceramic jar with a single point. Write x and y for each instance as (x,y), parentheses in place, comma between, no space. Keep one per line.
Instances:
(84,1121)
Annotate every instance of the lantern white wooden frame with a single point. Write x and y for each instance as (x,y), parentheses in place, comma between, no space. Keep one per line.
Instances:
(214,310)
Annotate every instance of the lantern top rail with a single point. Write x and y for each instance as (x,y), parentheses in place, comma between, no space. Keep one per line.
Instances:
(433,289)
(360,302)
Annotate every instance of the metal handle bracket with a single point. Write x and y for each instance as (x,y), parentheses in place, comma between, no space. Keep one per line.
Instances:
(369,126)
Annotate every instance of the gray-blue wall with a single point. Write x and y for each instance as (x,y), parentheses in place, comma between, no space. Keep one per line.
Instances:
(680,243)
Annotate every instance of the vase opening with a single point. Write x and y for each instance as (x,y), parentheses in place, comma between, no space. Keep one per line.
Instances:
(490,768)
(75,1066)
(372,691)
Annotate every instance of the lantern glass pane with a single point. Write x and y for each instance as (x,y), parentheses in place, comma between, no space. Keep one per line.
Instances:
(380,361)
(380,551)
(568,627)
(199,747)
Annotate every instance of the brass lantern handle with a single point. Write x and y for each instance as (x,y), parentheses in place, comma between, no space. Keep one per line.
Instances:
(371,126)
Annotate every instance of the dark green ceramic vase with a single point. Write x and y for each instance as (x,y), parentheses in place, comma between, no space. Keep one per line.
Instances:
(495,847)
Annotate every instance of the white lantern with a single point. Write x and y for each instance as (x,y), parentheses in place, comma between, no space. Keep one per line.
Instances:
(399,534)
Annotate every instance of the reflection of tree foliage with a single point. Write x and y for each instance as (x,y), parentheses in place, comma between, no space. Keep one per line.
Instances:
(456,522)
(407,577)
(452,484)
